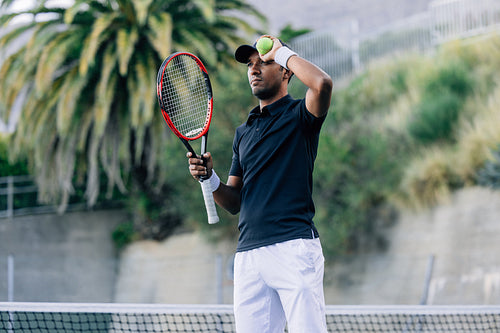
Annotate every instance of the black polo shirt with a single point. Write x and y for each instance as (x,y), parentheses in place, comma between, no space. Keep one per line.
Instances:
(274,153)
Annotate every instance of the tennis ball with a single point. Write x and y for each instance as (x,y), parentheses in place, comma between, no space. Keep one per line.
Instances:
(264,45)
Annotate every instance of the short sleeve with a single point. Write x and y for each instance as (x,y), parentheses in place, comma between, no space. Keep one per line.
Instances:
(236,169)
(312,123)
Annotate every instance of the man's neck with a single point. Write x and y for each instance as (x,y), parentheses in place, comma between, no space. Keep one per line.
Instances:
(266,102)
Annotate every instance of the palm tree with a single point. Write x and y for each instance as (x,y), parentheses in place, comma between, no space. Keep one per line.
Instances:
(85,79)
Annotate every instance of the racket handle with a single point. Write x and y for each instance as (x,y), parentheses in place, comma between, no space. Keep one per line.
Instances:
(209,202)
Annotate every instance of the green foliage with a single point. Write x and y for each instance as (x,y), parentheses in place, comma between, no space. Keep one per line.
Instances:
(232,102)
(90,107)
(365,168)
(288,33)
(356,169)
(465,100)
(434,118)
(372,91)
(8,167)
(367,164)
(113,125)
(123,235)
(442,102)
(453,78)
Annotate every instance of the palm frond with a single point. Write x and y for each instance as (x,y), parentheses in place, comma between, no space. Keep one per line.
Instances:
(70,13)
(104,91)
(92,190)
(94,40)
(109,158)
(145,76)
(6,19)
(43,33)
(102,109)
(142,10)
(9,72)
(87,78)
(236,23)
(160,35)
(206,8)
(14,34)
(199,44)
(53,57)
(68,101)
(134,103)
(243,7)
(125,42)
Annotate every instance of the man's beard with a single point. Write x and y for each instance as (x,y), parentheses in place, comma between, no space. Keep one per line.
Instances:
(264,94)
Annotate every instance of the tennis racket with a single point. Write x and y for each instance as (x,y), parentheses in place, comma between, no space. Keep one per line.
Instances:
(185,97)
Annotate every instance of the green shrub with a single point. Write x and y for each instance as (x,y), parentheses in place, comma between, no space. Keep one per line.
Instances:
(123,235)
(355,171)
(434,119)
(443,97)
(8,167)
(453,78)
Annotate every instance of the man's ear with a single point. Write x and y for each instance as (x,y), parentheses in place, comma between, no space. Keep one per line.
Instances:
(287,74)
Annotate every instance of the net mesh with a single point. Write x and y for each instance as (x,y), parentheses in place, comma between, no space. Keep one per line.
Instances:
(184,95)
(64,317)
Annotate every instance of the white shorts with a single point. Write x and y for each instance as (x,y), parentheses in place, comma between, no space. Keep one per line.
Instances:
(280,283)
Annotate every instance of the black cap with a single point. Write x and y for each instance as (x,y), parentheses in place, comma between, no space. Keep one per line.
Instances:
(243,52)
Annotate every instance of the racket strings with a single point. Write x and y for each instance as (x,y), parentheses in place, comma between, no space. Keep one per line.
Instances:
(184,96)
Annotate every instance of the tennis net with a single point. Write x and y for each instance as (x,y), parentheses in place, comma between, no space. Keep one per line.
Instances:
(85,317)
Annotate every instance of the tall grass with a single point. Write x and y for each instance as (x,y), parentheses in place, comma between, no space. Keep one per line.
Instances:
(476,128)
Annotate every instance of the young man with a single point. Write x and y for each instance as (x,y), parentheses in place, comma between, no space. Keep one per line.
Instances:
(279,262)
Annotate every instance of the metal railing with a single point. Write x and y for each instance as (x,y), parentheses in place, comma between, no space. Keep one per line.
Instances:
(10,187)
(19,196)
(342,51)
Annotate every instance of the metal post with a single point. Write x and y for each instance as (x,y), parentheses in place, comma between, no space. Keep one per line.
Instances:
(356,63)
(218,289)
(10,289)
(218,278)
(428,278)
(10,196)
(10,278)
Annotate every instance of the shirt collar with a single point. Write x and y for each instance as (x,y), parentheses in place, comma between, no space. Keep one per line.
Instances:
(271,109)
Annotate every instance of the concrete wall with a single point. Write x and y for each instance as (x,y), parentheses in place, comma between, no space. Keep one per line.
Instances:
(463,237)
(70,258)
(184,269)
(67,258)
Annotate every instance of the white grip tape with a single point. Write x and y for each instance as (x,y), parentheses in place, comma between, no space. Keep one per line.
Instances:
(206,188)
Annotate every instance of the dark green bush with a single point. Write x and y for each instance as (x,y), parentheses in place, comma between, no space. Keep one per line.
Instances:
(453,78)
(355,171)
(123,235)
(434,119)
(443,97)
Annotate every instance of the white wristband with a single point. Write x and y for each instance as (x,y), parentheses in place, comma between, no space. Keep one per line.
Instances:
(214,181)
(282,55)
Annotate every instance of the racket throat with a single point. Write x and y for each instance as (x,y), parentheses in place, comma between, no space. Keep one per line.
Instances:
(193,153)
(188,147)
(203,150)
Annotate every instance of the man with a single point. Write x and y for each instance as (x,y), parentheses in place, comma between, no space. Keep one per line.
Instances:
(279,262)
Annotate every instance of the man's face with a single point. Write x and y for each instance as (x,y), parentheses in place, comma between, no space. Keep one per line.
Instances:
(265,78)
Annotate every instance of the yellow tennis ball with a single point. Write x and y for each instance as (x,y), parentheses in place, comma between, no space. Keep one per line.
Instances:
(264,45)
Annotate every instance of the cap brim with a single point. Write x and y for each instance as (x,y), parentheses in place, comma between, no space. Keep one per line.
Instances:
(243,53)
